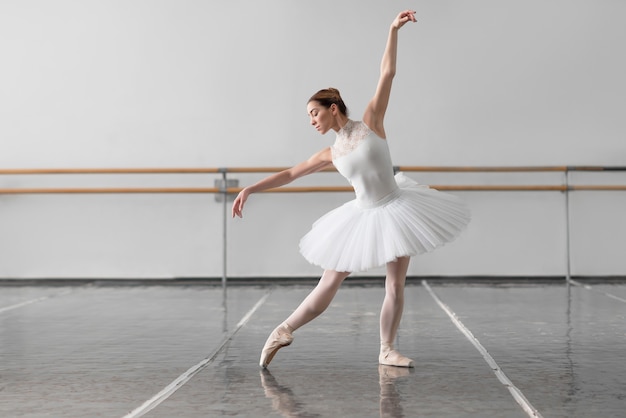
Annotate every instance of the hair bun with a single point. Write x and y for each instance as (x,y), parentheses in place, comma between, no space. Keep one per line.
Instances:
(328,97)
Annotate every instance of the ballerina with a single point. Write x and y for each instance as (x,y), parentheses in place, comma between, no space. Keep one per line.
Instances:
(391,218)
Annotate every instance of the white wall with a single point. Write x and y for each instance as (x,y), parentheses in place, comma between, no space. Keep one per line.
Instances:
(147,83)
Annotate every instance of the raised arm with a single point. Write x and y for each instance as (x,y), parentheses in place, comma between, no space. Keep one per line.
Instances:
(375,111)
(317,162)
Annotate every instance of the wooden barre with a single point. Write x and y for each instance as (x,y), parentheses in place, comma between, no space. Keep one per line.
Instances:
(248,170)
(446,187)
(215,170)
(113,190)
(307,189)
(451,169)
(482,169)
(109,170)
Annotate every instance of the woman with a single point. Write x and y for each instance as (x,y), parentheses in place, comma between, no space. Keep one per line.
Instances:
(391,219)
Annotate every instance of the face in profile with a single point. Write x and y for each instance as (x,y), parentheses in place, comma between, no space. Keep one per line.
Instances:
(321,117)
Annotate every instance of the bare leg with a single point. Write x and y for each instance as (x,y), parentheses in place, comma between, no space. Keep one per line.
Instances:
(318,300)
(393,304)
(311,307)
(391,313)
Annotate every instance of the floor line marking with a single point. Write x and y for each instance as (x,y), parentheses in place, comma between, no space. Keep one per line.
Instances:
(167,391)
(502,377)
(588,287)
(31,301)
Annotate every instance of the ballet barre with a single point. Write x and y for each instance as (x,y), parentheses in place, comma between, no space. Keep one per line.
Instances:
(214,170)
(309,189)
(225,190)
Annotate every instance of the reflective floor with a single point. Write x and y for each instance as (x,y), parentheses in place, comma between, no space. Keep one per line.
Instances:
(192,350)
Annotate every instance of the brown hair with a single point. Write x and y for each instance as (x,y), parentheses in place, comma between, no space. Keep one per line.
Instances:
(328,97)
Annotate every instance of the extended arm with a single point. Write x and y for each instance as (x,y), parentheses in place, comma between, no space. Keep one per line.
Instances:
(375,111)
(316,163)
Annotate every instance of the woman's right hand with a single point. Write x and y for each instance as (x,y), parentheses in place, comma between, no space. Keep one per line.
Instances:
(239,202)
(316,163)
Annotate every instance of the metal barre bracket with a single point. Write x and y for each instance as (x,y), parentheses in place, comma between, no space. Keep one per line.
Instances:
(224,185)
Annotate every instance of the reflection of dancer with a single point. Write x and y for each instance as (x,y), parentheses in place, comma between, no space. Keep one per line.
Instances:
(283,399)
(390,405)
(390,220)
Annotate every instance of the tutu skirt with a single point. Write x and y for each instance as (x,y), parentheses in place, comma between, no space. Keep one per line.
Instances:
(414,219)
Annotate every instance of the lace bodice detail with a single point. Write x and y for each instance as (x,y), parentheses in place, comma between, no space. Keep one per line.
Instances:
(363,158)
(348,138)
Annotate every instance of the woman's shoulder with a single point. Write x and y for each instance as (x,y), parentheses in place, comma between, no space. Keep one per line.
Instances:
(374,127)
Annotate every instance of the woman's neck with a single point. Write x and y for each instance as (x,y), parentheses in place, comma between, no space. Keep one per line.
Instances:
(340,121)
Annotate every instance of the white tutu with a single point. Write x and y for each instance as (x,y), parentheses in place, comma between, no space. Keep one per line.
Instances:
(413,220)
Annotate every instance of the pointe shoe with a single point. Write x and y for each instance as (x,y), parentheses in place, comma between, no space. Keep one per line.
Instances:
(393,358)
(390,357)
(279,338)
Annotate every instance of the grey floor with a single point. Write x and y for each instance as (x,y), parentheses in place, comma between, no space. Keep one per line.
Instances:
(482,350)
